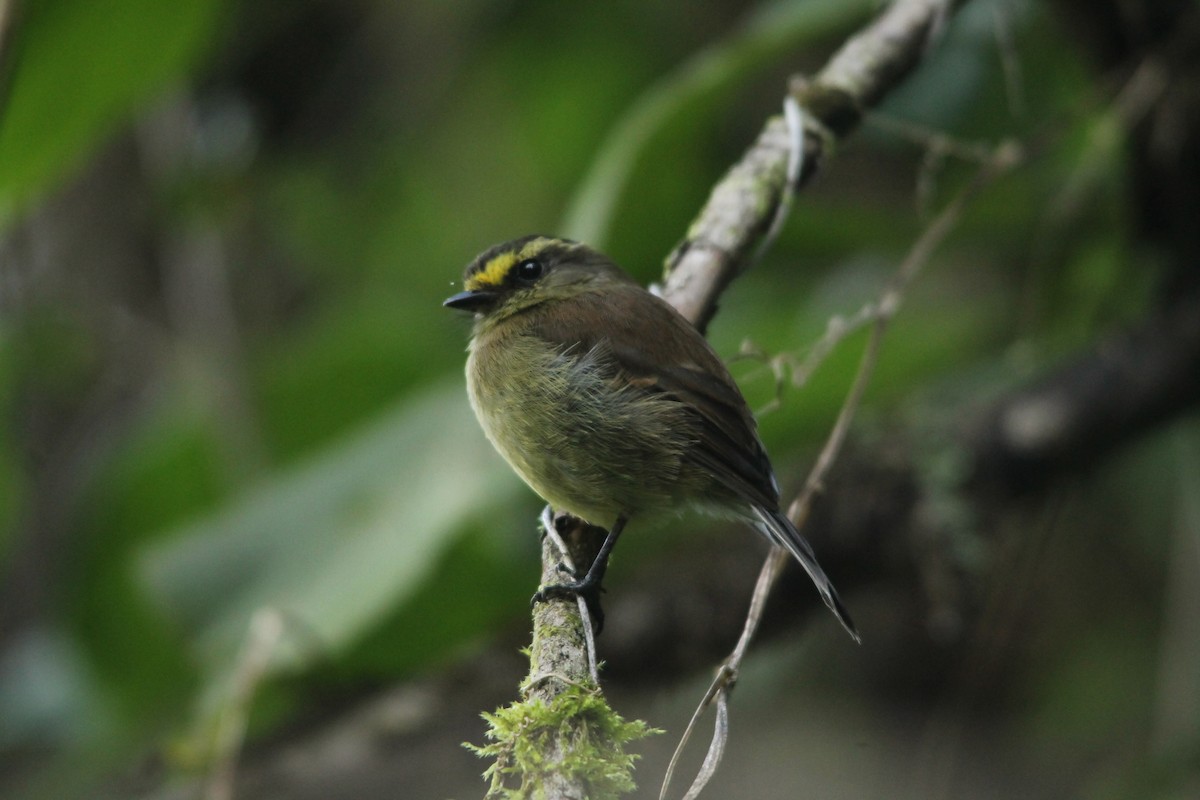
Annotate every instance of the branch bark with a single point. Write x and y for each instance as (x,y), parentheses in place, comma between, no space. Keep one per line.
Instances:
(741,207)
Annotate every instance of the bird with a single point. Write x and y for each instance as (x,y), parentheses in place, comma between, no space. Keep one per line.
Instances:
(610,404)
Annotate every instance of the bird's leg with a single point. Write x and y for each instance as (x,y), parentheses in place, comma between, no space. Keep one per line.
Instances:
(589,586)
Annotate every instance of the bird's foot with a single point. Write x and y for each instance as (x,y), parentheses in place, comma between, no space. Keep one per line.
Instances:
(589,590)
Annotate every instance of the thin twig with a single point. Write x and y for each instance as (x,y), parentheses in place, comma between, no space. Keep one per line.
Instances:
(931,138)
(795,117)
(837,329)
(1004,157)
(262,639)
(1010,62)
(550,530)
(727,674)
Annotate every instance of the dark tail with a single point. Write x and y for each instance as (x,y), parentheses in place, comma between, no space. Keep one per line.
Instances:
(780,530)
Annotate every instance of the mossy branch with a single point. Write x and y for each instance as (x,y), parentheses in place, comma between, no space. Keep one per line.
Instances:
(561,740)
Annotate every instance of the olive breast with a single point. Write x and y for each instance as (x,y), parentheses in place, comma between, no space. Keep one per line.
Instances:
(584,438)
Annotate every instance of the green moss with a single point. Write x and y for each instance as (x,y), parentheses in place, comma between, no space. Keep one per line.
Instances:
(579,725)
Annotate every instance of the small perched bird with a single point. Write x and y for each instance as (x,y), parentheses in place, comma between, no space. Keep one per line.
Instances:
(609,403)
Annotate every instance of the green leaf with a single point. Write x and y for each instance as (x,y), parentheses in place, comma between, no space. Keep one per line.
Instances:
(81,69)
(338,542)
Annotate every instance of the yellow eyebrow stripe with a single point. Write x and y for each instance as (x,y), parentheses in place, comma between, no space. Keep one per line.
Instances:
(495,271)
(492,273)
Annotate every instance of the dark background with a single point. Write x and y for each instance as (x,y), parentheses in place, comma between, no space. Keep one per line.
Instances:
(228,386)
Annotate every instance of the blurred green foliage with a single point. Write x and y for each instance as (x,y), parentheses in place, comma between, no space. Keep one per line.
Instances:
(84,69)
(232,383)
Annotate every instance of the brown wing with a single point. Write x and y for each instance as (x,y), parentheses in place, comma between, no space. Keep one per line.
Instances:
(654,346)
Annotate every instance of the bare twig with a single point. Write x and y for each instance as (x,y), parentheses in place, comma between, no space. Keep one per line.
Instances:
(884,308)
(1010,62)
(1006,156)
(725,679)
(262,639)
(727,675)
(741,206)
(839,327)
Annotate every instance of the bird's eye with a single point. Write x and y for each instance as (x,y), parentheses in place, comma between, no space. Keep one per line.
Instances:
(529,270)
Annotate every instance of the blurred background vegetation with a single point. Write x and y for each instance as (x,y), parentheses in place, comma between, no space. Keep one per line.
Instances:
(238,474)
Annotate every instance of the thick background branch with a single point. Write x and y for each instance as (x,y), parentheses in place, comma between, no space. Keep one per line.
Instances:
(742,206)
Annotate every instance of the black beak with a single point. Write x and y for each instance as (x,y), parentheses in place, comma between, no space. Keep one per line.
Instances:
(470,301)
